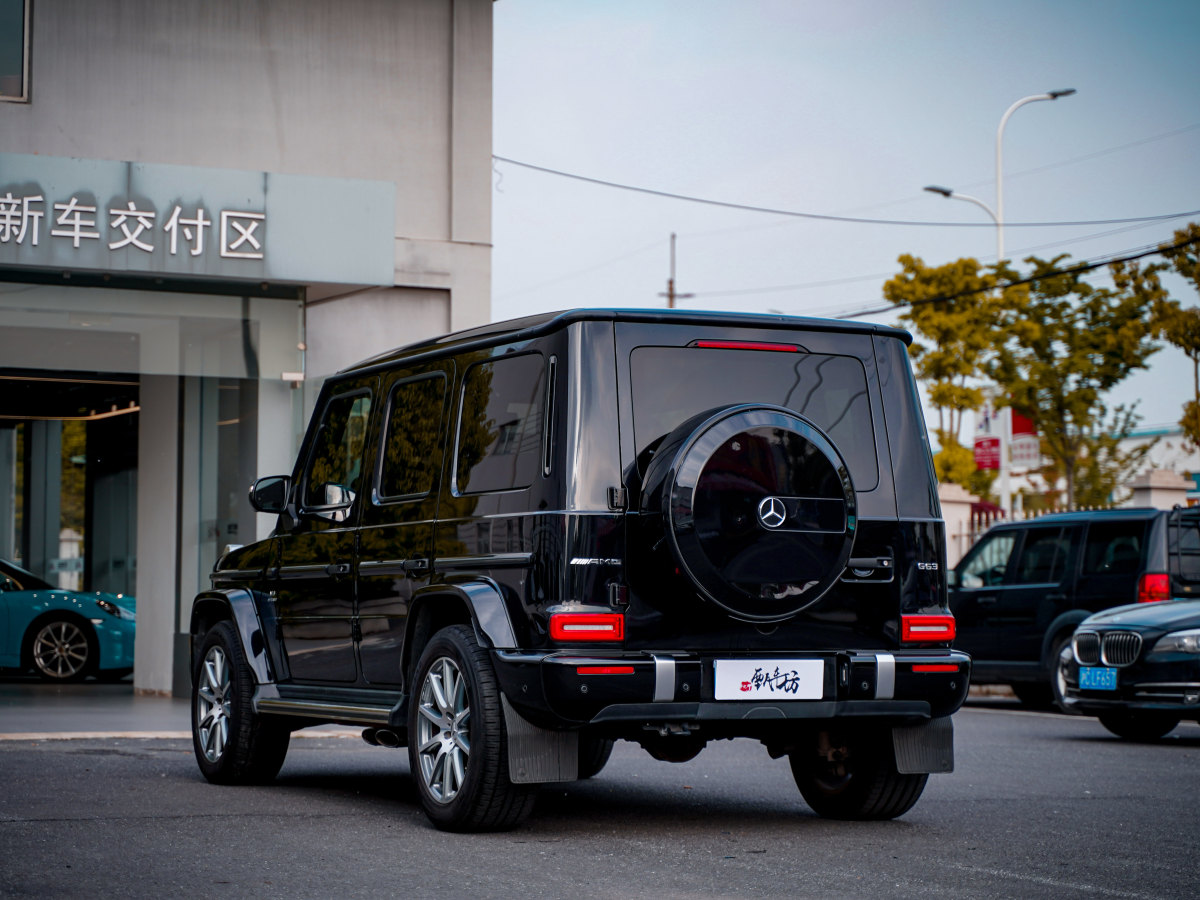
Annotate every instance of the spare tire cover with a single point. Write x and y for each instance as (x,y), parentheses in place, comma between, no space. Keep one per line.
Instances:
(760,510)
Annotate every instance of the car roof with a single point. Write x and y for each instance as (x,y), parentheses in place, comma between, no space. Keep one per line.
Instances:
(1089,515)
(535,326)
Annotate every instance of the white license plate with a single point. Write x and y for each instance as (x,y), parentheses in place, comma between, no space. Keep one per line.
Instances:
(1097,678)
(775,679)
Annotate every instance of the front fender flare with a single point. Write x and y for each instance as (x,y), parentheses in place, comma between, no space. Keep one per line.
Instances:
(237,605)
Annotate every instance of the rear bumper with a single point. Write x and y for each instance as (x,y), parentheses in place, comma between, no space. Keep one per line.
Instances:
(616,690)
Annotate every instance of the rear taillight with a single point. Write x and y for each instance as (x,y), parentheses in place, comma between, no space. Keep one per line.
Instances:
(934,667)
(587,626)
(1153,587)
(922,629)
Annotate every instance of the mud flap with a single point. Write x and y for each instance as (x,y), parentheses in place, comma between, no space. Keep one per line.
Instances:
(538,755)
(928,747)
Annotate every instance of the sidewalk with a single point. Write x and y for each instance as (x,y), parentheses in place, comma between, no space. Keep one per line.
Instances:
(32,710)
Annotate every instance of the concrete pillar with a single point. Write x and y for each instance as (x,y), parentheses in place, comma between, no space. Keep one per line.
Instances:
(158,534)
(44,489)
(8,492)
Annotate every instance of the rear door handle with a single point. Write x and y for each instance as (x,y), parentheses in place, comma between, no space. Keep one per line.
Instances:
(338,569)
(986,601)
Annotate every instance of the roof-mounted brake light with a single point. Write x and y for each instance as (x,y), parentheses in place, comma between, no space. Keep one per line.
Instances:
(745,345)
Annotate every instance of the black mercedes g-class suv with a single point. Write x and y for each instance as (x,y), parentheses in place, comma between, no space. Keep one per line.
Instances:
(509,547)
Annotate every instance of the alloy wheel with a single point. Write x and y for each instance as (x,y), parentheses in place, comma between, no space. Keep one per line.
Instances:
(213,704)
(443,724)
(60,650)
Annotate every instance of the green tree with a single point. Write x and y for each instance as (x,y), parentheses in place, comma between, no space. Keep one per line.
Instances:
(1181,325)
(1061,345)
(954,335)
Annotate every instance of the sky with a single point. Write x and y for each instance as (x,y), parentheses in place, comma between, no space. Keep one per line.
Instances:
(844,109)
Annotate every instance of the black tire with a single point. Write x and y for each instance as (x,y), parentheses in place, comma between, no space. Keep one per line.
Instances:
(233,744)
(1061,657)
(594,753)
(1138,725)
(458,743)
(62,648)
(862,784)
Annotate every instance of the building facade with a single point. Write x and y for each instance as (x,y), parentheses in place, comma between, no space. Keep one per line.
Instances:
(205,209)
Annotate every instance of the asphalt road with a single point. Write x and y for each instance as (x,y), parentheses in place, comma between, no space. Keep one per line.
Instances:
(1039,806)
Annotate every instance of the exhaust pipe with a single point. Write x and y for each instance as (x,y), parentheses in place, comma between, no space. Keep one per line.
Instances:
(383,737)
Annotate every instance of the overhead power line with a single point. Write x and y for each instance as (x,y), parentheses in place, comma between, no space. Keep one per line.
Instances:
(1082,267)
(744,207)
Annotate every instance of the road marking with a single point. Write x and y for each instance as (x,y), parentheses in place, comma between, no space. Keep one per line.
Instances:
(1091,889)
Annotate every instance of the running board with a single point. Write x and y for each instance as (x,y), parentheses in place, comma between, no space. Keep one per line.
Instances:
(330,712)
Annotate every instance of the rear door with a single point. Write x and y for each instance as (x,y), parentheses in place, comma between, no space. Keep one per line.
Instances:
(396,538)
(1114,554)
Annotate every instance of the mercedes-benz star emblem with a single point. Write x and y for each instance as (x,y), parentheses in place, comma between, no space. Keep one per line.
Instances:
(771,512)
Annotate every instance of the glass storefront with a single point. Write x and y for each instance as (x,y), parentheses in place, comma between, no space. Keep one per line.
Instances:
(75,363)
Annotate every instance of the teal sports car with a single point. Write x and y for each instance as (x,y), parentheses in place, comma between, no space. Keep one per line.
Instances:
(63,635)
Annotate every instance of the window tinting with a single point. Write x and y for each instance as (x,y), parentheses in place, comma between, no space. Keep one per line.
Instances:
(1189,548)
(410,450)
(500,425)
(671,384)
(1114,548)
(1043,557)
(336,461)
(14,25)
(989,562)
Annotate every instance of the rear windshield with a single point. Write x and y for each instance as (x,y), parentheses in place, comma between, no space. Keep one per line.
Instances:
(671,384)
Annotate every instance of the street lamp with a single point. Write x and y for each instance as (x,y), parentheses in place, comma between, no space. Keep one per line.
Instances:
(998,214)
(1050,95)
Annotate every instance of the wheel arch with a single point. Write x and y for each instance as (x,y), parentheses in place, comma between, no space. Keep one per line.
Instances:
(478,603)
(235,605)
(1064,623)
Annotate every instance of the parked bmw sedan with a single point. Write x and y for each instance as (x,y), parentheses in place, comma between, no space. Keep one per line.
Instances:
(1136,668)
(63,635)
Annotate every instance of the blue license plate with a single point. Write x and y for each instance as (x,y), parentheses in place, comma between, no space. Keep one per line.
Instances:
(1097,678)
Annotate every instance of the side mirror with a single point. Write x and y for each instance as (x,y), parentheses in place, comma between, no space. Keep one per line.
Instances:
(270,494)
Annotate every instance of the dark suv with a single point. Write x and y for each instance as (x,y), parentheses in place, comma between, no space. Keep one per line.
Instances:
(509,547)
(1020,591)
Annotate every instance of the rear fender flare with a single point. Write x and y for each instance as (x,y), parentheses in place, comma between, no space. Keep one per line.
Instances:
(479,602)
(238,606)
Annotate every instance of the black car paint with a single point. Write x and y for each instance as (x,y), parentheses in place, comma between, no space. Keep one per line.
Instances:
(1010,630)
(510,559)
(1158,683)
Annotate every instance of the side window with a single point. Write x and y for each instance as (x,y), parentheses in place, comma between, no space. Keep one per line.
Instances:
(410,450)
(1043,557)
(1114,548)
(500,425)
(334,475)
(1189,548)
(990,561)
